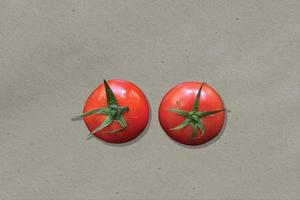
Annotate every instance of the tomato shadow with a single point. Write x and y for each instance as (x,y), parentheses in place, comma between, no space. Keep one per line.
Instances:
(211,141)
(135,139)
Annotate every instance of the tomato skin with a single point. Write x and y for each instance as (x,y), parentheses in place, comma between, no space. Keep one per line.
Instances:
(182,97)
(127,94)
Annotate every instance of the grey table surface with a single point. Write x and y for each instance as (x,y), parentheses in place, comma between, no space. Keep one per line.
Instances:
(54,53)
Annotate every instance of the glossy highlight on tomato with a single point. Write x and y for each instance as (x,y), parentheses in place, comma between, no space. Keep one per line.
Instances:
(192,113)
(116,111)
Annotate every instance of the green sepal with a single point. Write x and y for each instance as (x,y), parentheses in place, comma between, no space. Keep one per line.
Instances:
(108,120)
(179,112)
(90,136)
(110,97)
(197,99)
(92,112)
(124,109)
(201,127)
(206,113)
(194,131)
(182,125)
(122,122)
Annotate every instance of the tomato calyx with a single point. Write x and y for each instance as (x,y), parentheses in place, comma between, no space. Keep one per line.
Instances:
(193,117)
(112,110)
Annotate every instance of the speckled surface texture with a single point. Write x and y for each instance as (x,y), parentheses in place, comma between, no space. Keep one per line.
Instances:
(54,53)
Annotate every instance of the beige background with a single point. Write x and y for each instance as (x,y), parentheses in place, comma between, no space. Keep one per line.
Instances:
(54,53)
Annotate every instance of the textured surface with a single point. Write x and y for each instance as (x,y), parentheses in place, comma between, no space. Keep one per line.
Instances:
(54,53)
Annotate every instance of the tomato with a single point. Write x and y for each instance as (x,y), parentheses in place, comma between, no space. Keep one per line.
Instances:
(191,113)
(116,112)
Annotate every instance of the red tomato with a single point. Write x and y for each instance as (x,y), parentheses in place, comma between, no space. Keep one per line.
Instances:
(187,120)
(135,114)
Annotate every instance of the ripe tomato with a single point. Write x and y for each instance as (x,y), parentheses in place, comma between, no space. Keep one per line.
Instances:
(116,111)
(192,113)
